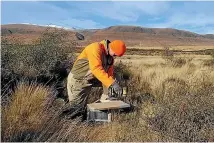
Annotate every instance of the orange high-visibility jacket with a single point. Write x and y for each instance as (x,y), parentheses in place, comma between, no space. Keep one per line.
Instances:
(95,62)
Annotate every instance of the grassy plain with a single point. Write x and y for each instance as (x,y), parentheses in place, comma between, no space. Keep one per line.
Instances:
(173,96)
(183,48)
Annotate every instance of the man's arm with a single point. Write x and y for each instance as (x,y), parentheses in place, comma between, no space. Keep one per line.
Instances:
(111,71)
(95,64)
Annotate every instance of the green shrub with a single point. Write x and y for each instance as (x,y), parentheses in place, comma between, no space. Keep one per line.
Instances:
(44,57)
(47,60)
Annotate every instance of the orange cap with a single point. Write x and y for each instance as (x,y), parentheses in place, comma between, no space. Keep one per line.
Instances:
(118,47)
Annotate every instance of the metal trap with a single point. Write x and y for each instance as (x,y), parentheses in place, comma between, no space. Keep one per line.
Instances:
(104,111)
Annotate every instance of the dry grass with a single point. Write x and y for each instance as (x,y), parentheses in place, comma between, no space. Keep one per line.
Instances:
(25,112)
(32,115)
(184,95)
(172,103)
(183,48)
(156,69)
(172,96)
(139,61)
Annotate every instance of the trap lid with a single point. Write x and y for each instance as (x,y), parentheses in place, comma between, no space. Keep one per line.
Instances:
(108,105)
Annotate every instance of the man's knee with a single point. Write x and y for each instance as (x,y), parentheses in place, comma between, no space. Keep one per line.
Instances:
(70,86)
(78,92)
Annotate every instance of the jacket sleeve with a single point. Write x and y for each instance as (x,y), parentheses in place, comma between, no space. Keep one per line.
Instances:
(110,71)
(95,64)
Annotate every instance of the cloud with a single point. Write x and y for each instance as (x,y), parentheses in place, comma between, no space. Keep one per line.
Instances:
(150,8)
(190,19)
(203,30)
(195,17)
(43,14)
(183,19)
(39,11)
(122,11)
(82,23)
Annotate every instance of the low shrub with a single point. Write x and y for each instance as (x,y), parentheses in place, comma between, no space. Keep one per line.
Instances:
(48,60)
(46,56)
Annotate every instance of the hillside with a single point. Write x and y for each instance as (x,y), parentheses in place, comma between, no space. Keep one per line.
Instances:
(156,31)
(211,36)
(133,35)
(28,33)
(152,36)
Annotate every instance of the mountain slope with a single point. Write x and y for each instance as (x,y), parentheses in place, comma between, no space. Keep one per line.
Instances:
(210,36)
(156,31)
(29,33)
(133,35)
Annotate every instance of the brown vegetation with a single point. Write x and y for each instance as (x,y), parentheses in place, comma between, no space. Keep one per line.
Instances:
(172,104)
(133,35)
(172,97)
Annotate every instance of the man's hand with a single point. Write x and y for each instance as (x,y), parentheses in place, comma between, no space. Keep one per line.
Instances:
(117,89)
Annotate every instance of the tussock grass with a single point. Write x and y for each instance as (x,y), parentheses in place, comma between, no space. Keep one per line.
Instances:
(184,100)
(32,115)
(25,112)
(183,48)
(209,62)
(172,96)
(170,104)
